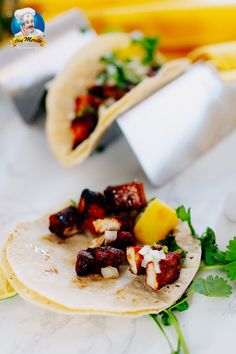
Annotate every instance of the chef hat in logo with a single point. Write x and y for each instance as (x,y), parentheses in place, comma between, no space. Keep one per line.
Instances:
(19,14)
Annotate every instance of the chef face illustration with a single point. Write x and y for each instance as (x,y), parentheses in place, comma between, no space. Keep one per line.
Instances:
(28,24)
(26,19)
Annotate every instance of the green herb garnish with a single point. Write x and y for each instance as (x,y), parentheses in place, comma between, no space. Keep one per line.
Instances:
(214,258)
(185,215)
(212,286)
(150,45)
(210,251)
(119,71)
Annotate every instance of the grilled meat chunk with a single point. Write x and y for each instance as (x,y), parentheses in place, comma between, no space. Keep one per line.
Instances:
(86,263)
(92,204)
(124,239)
(88,225)
(109,256)
(126,197)
(105,91)
(135,259)
(82,127)
(169,271)
(85,103)
(109,223)
(92,260)
(66,222)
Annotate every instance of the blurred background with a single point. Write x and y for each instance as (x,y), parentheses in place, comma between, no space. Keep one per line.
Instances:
(182,24)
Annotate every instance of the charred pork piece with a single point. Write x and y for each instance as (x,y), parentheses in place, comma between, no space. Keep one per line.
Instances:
(153,70)
(92,260)
(169,271)
(92,204)
(86,263)
(86,103)
(82,127)
(88,225)
(65,223)
(97,91)
(114,92)
(104,92)
(123,240)
(109,256)
(110,224)
(126,197)
(135,259)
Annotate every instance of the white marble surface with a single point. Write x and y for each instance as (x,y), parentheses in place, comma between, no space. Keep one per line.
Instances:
(32,182)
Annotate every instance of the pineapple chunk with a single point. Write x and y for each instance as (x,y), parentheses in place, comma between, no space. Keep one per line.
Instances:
(155,223)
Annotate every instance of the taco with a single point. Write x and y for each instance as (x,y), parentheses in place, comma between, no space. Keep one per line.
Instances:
(111,254)
(102,80)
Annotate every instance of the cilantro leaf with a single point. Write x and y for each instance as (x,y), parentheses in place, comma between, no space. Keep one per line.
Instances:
(119,71)
(185,215)
(230,254)
(165,319)
(214,286)
(149,44)
(182,307)
(230,269)
(210,251)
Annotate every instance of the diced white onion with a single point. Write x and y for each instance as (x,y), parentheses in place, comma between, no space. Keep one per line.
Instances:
(110,236)
(110,272)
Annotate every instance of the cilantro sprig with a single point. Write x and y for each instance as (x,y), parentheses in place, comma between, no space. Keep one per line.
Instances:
(150,45)
(185,215)
(119,71)
(210,251)
(122,72)
(211,286)
(214,258)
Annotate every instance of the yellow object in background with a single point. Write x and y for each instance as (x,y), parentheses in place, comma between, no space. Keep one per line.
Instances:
(155,223)
(182,24)
(222,55)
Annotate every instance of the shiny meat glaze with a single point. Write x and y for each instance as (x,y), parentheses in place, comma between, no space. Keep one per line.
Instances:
(91,261)
(126,197)
(66,222)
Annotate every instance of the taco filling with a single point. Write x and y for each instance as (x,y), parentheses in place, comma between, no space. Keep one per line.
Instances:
(112,253)
(125,230)
(122,70)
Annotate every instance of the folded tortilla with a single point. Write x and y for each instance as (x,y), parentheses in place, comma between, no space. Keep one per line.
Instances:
(80,73)
(41,267)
